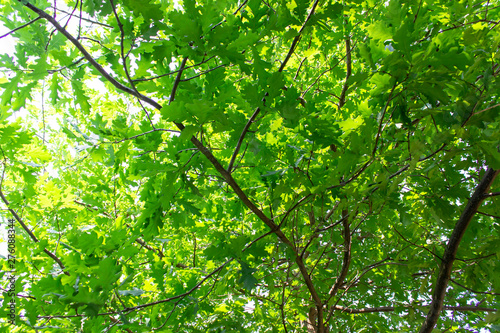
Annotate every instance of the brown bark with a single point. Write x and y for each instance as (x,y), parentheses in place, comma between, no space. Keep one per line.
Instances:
(451,249)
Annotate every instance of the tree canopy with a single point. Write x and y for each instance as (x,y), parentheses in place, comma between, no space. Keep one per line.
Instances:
(252,166)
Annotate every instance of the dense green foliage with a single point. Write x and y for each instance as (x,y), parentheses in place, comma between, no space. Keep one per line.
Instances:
(312,173)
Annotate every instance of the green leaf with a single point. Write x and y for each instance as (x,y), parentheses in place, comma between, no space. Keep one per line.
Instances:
(188,132)
(247,279)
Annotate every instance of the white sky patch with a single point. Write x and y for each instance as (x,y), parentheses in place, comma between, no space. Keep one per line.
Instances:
(7,43)
(178,5)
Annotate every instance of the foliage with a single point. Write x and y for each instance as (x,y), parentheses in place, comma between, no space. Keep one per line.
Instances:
(260,166)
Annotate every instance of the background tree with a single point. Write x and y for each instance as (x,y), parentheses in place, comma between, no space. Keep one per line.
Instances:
(255,166)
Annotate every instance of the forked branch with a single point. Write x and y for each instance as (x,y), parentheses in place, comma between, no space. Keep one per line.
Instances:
(204,150)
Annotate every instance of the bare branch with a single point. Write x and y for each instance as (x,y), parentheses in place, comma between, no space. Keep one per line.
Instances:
(472,290)
(414,244)
(488,108)
(149,247)
(241,6)
(486,214)
(145,133)
(85,19)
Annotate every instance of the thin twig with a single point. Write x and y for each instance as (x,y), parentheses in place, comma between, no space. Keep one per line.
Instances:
(124,60)
(392,308)
(86,19)
(257,111)
(20,27)
(146,305)
(202,73)
(30,233)
(241,6)
(174,72)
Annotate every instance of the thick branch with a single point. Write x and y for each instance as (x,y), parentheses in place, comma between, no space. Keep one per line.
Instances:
(451,250)
(89,57)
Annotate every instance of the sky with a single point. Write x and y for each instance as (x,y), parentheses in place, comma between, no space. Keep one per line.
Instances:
(6,43)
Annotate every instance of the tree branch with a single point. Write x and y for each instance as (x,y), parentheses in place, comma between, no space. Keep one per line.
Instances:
(348,75)
(472,290)
(30,233)
(173,72)
(242,137)
(345,262)
(89,57)
(282,67)
(177,81)
(124,60)
(142,134)
(20,27)
(149,247)
(451,250)
(203,73)
(379,131)
(142,306)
